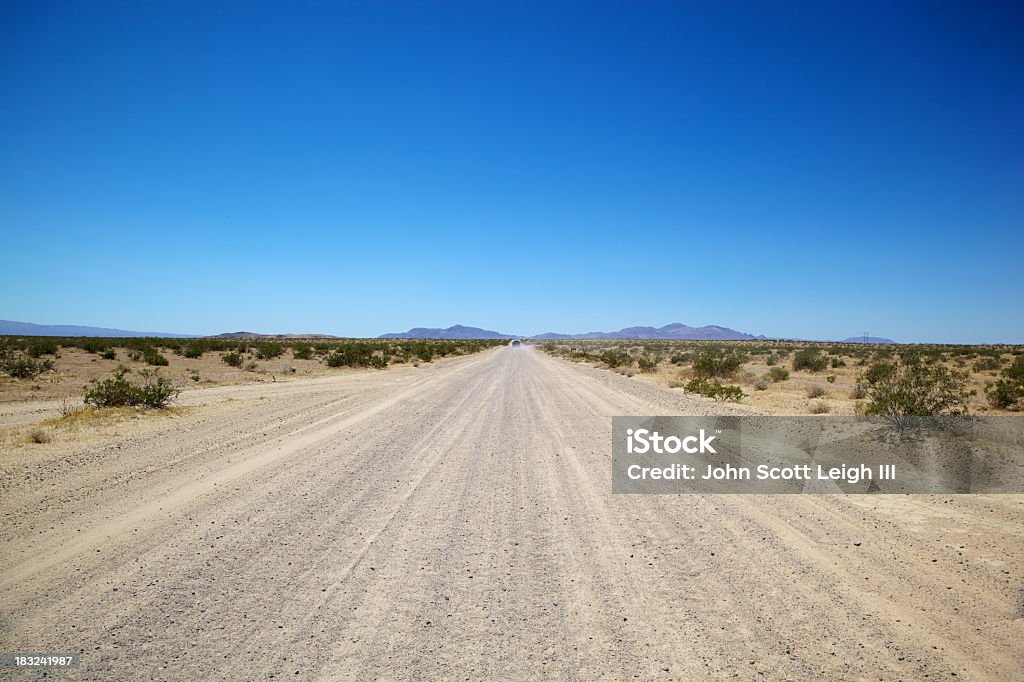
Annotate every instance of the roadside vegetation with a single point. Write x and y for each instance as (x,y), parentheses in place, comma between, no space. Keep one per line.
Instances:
(58,367)
(791,377)
(152,391)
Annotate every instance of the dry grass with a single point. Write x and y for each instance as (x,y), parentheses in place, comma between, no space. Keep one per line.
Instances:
(40,436)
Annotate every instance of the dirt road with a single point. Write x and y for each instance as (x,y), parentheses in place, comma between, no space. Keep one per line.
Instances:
(456,521)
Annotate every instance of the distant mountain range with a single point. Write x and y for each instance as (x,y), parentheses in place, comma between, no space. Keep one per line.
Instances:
(257,335)
(669,331)
(868,339)
(7,327)
(676,330)
(457,331)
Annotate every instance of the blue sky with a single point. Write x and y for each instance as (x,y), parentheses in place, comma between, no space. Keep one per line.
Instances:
(791,169)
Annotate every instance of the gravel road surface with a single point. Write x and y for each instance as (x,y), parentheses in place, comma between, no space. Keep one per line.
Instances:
(456,521)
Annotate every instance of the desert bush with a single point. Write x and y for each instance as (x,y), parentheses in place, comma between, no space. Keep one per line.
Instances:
(1015,372)
(647,364)
(152,357)
(987,365)
(234,358)
(809,359)
(718,362)
(93,345)
(778,374)
(192,350)
(1007,392)
(109,354)
(831,378)
(761,385)
(423,351)
(114,392)
(40,436)
(44,347)
(615,358)
(69,410)
(680,358)
(879,371)
(268,350)
(712,389)
(302,351)
(838,362)
(154,391)
(859,391)
(819,408)
(915,389)
(815,391)
(20,366)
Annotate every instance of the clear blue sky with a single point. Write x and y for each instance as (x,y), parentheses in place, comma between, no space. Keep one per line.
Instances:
(810,169)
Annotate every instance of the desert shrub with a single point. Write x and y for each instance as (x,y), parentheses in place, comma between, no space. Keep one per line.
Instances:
(114,392)
(155,391)
(1007,392)
(615,358)
(718,362)
(134,355)
(268,350)
(778,374)
(93,345)
(819,408)
(109,354)
(879,371)
(647,364)
(302,351)
(809,359)
(771,360)
(987,365)
(20,366)
(761,385)
(831,378)
(1015,372)
(859,391)
(364,354)
(40,436)
(910,390)
(838,362)
(815,391)
(44,347)
(192,350)
(152,357)
(234,358)
(680,358)
(712,389)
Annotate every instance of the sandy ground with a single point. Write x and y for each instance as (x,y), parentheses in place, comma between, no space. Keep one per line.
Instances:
(456,521)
